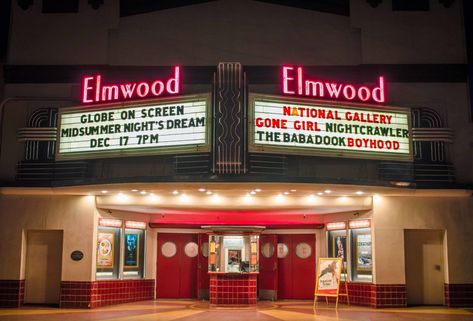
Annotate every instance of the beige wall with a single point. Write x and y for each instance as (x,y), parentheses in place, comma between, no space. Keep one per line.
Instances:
(75,215)
(391,215)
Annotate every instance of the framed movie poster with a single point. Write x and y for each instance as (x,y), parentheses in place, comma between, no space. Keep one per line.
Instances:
(105,248)
(328,277)
(132,250)
(340,246)
(363,252)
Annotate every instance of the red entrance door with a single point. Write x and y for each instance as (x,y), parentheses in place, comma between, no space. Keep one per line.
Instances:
(268,265)
(296,266)
(177,266)
(203,265)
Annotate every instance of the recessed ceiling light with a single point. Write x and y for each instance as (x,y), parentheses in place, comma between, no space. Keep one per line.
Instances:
(201,189)
(359,193)
(143,192)
(134,190)
(328,191)
(216,198)
(104,192)
(257,190)
(175,192)
(209,192)
(184,198)
(293,190)
(253,192)
(286,193)
(320,193)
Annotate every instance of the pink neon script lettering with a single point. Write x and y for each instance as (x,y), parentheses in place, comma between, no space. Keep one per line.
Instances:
(334,90)
(95,89)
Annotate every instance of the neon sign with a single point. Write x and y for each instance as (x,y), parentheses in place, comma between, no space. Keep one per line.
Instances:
(309,127)
(294,83)
(95,90)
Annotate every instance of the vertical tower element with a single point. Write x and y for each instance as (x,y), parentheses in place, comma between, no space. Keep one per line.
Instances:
(229,120)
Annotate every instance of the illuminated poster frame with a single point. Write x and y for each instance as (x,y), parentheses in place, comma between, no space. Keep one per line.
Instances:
(137,151)
(275,148)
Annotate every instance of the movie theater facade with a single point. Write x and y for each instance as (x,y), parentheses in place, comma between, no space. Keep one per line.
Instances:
(227,183)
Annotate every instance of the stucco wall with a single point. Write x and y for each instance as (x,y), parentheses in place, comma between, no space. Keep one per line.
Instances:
(391,215)
(75,215)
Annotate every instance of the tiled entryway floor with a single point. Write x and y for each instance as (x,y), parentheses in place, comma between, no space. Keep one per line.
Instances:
(188,310)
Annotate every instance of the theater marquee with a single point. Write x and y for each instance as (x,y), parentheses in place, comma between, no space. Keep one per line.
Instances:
(282,125)
(177,125)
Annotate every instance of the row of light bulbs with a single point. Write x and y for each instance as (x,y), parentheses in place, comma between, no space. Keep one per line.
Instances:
(252,192)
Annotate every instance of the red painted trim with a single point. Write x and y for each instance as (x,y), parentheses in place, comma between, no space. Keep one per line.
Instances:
(271,219)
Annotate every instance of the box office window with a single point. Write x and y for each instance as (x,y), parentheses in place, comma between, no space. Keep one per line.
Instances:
(108,252)
(354,246)
(133,253)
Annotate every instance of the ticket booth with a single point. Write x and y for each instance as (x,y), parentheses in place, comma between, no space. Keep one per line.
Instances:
(233,266)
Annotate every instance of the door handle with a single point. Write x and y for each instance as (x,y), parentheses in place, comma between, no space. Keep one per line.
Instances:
(437,267)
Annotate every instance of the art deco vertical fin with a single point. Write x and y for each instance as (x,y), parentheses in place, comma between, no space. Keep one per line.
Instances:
(229,120)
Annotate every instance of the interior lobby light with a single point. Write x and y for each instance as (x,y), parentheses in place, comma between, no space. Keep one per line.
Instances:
(359,223)
(110,222)
(359,193)
(336,226)
(175,192)
(327,191)
(135,225)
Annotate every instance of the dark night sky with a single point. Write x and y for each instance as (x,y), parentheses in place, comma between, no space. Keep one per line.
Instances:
(4,24)
(5,6)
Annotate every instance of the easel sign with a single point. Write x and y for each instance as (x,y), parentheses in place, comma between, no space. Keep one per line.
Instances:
(327,282)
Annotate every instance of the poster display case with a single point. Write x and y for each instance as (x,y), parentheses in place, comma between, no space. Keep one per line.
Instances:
(133,260)
(362,263)
(353,244)
(108,253)
(120,249)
